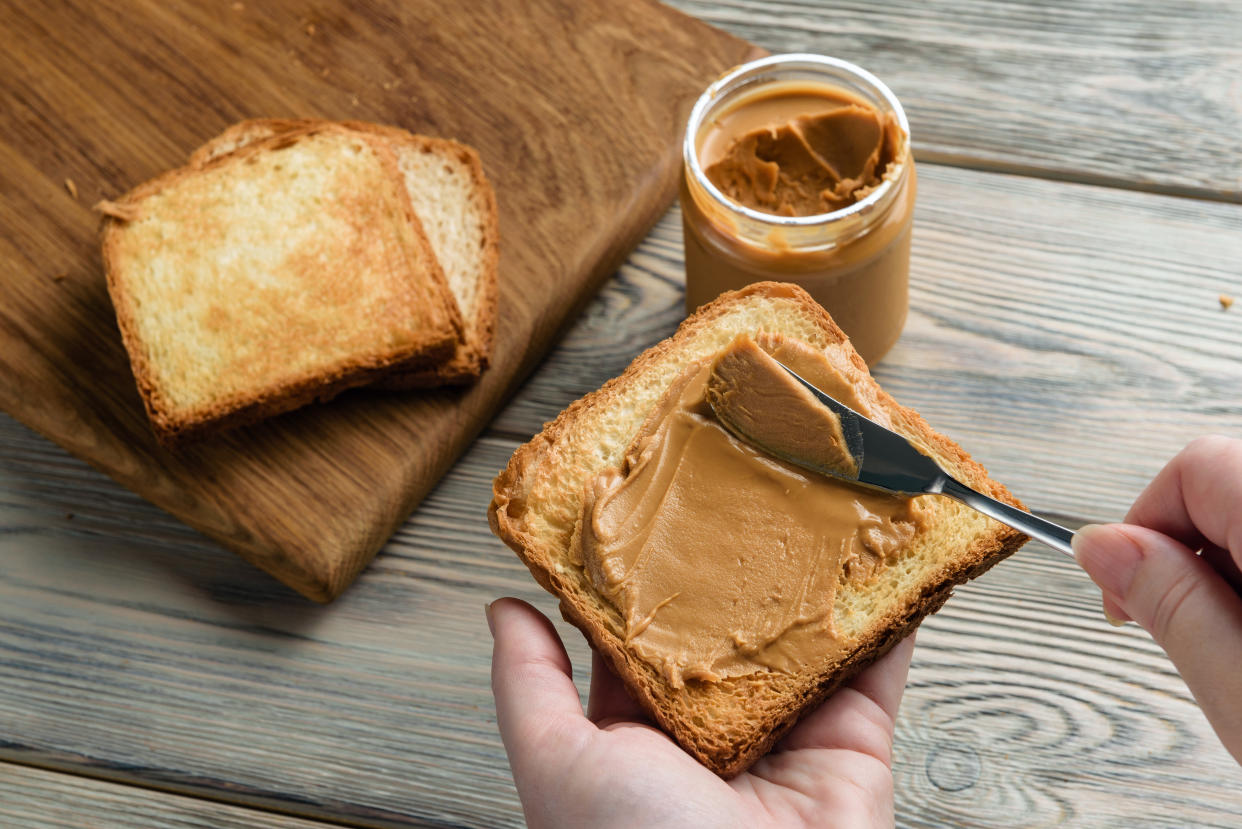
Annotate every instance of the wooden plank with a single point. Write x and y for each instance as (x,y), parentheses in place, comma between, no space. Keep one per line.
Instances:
(377,709)
(1124,92)
(108,94)
(151,660)
(1026,708)
(40,799)
(173,665)
(1069,336)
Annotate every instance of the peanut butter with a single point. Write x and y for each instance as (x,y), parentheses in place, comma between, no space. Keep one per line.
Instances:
(798,169)
(757,400)
(723,561)
(807,150)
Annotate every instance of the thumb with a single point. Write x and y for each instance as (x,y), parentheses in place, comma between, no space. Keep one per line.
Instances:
(1187,607)
(537,705)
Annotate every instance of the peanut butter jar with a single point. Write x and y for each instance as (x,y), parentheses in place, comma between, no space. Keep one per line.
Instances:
(798,168)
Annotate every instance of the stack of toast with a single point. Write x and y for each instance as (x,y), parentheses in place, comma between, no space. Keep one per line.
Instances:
(290,260)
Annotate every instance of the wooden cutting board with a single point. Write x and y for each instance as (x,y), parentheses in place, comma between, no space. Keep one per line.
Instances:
(576,108)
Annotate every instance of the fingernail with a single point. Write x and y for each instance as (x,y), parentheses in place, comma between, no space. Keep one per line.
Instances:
(487,611)
(1113,620)
(1109,556)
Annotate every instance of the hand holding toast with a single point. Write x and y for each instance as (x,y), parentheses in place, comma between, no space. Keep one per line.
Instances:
(610,766)
(1191,603)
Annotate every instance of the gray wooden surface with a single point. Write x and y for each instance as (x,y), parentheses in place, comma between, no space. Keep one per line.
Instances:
(1068,335)
(1139,94)
(31,796)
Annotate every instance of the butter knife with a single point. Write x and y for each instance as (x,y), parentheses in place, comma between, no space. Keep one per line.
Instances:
(889,462)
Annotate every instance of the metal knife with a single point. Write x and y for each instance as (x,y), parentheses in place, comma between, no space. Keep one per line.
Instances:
(889,462)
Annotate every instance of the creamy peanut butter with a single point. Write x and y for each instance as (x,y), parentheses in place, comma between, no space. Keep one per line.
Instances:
(803,150)
(757,400)
(800,171)
(724,561)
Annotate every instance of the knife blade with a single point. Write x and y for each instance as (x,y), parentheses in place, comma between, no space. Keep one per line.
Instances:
(888,461)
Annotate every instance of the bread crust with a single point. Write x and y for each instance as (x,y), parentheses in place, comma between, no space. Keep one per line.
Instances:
(171,429)
(508,513)
(468,361)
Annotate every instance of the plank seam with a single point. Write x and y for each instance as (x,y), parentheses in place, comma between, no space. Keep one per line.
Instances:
(256,803)
(982,164)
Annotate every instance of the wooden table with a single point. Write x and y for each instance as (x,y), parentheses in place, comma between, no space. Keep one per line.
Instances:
(1078,217)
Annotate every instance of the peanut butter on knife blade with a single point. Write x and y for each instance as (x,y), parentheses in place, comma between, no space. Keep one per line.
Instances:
(756,399)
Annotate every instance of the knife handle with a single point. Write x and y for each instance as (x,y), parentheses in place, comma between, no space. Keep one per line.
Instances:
(1054,535)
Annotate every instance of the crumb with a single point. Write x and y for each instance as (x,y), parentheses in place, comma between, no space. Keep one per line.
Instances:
(354,100)
(310,29)
(387,85)
(71,187)
(58,277)
(237,7)
(1225,301)
(324,73)
(68,516)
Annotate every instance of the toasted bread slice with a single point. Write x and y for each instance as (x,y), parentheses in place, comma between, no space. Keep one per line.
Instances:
(728,724)
(457,209)
(289,270)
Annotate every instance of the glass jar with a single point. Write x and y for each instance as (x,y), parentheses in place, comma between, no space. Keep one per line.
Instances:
(855,261)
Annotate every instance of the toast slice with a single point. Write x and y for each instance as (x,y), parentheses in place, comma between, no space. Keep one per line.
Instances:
(728,724)
(287,271)
(457,210)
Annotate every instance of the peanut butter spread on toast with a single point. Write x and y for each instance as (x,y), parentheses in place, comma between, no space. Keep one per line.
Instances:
(724,561)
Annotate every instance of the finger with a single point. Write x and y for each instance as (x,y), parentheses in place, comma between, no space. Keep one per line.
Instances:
(532,681)
(1113,612)
(1197,497)
(859,716)
(884,683)
(609,701)
(1185,605)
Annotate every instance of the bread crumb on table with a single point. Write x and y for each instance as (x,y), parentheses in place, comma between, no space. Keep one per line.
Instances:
(71,187)
(1226,301)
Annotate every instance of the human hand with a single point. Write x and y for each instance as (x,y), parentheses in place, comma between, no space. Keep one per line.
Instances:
(612,767)
(1148,571)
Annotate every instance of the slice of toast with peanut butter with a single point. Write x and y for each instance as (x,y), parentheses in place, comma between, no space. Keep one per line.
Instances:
(731,591)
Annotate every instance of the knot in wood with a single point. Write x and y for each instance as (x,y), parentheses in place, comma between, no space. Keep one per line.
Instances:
(952,767)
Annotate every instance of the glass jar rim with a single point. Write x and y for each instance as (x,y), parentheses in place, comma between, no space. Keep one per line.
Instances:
(690,154)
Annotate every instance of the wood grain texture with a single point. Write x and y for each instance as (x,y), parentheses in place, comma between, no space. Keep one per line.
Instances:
(149,660)
(1031,299)
(134,649)
(1025,708)
(1127,93)
(38,799)
(109,94)
(1068,336)
(153,661)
